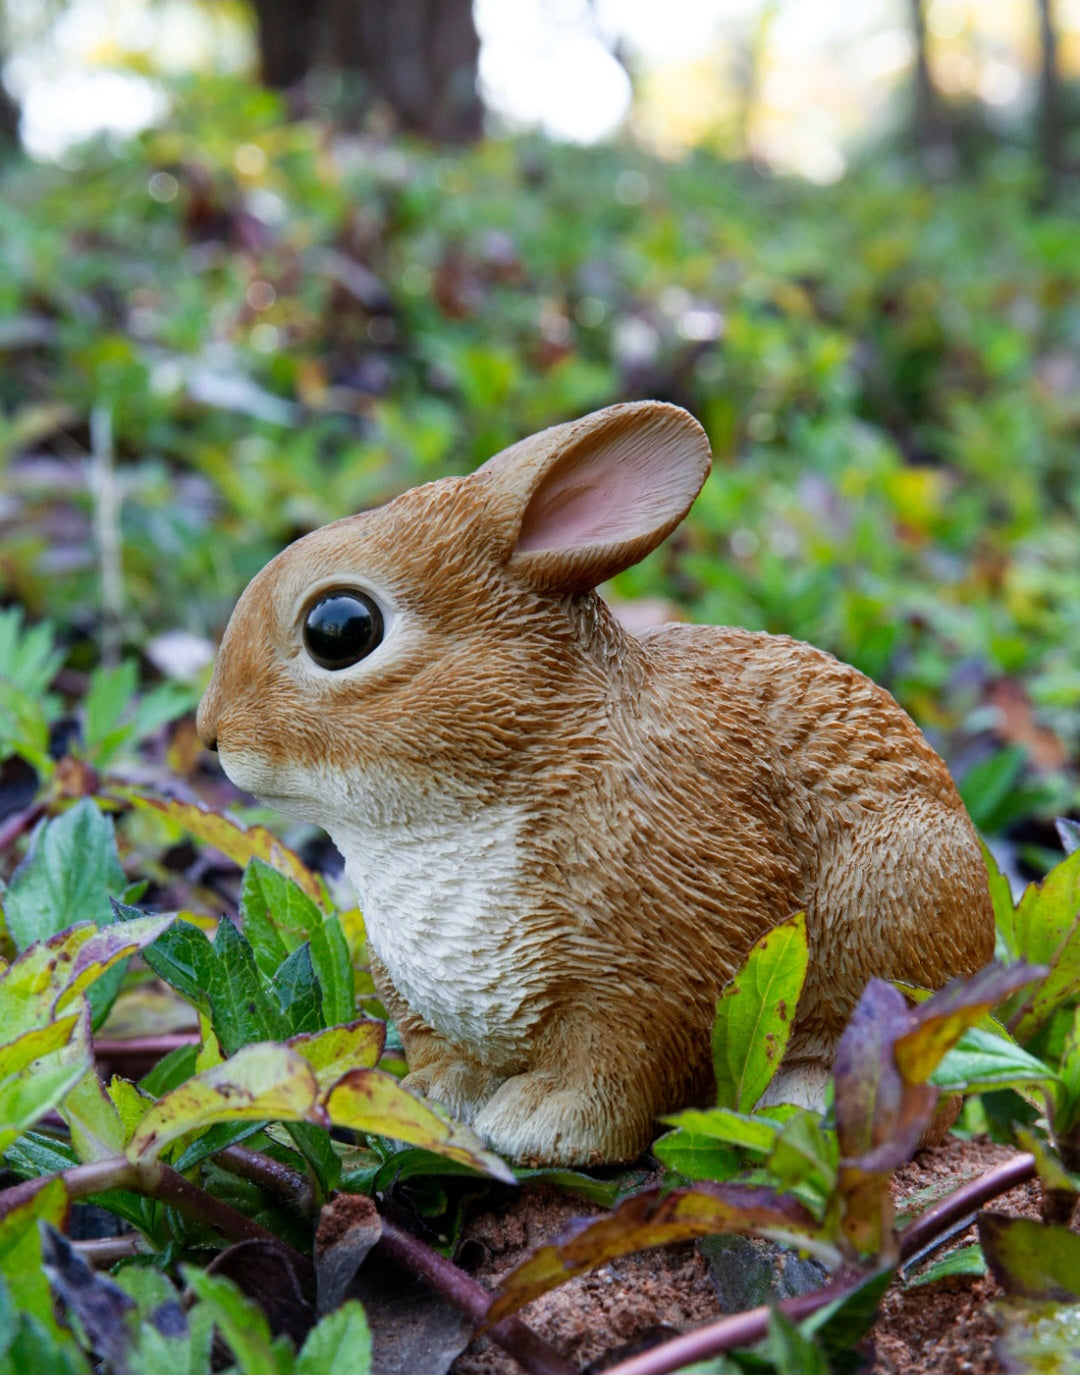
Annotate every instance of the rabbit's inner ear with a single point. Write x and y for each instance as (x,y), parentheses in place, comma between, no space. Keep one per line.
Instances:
(602,501)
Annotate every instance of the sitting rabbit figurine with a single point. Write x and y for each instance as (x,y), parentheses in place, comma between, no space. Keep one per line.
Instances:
(565,838)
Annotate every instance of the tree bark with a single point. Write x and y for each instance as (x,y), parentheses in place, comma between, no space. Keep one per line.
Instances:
(289,40)
(1051,132)
(931,136)
(418,57)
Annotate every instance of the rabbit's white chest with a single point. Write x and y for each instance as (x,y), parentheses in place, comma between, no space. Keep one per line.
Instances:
(440,903)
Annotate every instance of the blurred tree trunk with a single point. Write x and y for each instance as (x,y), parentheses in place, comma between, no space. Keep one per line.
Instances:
(1051,132)
(417,56)
(931,134)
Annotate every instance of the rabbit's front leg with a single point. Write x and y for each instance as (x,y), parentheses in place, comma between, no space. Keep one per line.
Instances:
(437,1069)
(574,1108)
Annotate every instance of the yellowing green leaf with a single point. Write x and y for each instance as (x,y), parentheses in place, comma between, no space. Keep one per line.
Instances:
(755,1015)
(235,842)
(332,1053)
(97,1129)
(40,1086)
(369,1100)
(29,986)
(263,1081)
(107,947)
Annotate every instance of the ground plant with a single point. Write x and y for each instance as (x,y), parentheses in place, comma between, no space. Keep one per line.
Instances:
(229,330)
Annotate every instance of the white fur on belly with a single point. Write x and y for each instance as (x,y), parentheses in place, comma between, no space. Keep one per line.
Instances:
(439,898)
(438,879)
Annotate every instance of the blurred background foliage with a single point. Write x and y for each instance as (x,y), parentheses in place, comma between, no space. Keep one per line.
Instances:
(273,302)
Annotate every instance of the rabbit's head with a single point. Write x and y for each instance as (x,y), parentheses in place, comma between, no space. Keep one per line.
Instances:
(430,638)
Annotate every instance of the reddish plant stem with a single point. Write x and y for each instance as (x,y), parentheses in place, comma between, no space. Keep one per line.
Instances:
(745,1329)
(969,1198)
(154,1180)
(277,1179)
(530,1351)
(20,823)
(520,1341)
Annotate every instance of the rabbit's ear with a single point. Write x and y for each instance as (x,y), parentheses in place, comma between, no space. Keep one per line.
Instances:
(601,493)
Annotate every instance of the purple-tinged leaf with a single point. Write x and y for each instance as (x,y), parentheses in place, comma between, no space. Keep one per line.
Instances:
(100,1306)
(939,1022)
(654,1218)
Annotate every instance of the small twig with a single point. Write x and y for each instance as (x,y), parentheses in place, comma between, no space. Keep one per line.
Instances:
(108,1250)
(19,824)
(106,516)
(530,1351)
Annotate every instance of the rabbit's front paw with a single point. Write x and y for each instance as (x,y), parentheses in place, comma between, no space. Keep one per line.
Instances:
(535,1119)
(461,1088)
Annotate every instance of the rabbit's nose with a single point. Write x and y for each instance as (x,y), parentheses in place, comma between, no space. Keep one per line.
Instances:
(206,724)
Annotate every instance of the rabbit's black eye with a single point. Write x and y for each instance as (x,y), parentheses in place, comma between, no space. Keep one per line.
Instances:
(341,628)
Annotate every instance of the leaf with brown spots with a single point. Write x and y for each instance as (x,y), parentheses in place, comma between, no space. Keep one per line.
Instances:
(235,842)
(339,1049)
(369,1100)
(260,1082)
(755,1014)
(655,1218)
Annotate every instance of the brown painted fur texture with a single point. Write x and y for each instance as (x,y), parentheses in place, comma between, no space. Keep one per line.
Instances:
(566,838)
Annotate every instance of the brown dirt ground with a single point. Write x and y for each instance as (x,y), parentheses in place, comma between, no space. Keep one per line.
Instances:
(944,1328)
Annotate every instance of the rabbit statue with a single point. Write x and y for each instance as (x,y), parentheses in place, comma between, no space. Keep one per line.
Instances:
(565,838)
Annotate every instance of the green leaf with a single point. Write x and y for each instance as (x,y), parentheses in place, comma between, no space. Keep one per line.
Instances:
(1030,1259)
(981,1060)
(166,1338)
(184,957)
(1047,931)
(735,1129)
(41,1085)
(258,1082)
(369,1100)
(1039,1338)
(298,992)
(965,1260)
(790,1351)
(805,1154)
(277,915)
(97,1129)
(222,981)
(339,1345)
(241,1322)
(334,970)
(1004,908)
(107,698)
(755,1014)
(242,1007)
(20,1252)
(68,876)
(695,1156)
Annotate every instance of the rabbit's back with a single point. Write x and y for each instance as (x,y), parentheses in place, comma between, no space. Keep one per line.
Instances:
(885,859)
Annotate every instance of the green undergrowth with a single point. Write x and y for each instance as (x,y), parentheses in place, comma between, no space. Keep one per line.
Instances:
(284,1099)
